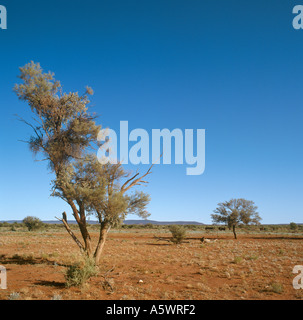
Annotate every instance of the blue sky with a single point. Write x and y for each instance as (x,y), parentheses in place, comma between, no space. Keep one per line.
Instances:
(233,68)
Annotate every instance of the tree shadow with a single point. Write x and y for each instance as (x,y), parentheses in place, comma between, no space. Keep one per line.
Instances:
(158,244)
(249,237)
(275,238)
(27,260)
(46,283)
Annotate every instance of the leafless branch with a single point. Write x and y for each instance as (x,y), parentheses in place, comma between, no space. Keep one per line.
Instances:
(29,124)
(68,229)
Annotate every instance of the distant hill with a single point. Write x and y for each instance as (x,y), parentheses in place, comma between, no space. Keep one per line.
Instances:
(128,222)
(161,222)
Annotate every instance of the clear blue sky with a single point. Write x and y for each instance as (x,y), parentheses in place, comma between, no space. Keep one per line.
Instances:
(232,67)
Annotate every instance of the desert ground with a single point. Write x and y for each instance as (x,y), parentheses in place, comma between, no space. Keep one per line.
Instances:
(138,266)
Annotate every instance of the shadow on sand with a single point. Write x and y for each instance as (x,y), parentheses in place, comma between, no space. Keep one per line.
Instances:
(23,260)
(55,284)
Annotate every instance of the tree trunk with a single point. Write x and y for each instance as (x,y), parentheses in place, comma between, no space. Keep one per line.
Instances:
(234,231)
(101,242)
(81,220)
(84,232)
(86,238)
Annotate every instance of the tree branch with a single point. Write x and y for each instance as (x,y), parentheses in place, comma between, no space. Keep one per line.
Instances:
(69,230)
(126,187)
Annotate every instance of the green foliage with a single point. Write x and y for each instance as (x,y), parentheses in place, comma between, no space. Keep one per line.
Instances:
(32,223)
(97,188)
(5,224)
(235,211)
(293,226)
(77,274)
(178,233)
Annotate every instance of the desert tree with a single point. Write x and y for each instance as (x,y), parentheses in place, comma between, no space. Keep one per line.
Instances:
(32,223)
(62,127)
(234,212)
(65,135)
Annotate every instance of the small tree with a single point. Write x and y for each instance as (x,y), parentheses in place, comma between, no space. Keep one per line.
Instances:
(32,223)
(235,211)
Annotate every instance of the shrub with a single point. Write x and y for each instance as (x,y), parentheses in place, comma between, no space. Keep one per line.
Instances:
(32,223)
(14,296)
(253,257)
(77,274)
(178,233)
(293,226)
(276,287)
(238,260)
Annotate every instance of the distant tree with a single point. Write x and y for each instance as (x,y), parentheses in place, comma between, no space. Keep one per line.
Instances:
(32,223)
(293,226)
(235,211)
(65,133)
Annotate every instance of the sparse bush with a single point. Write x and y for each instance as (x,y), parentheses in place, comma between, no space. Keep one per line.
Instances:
(238,260)
(14,296)
(178,233)
(5,224)
(77,274)
(276,287)
(32,223)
